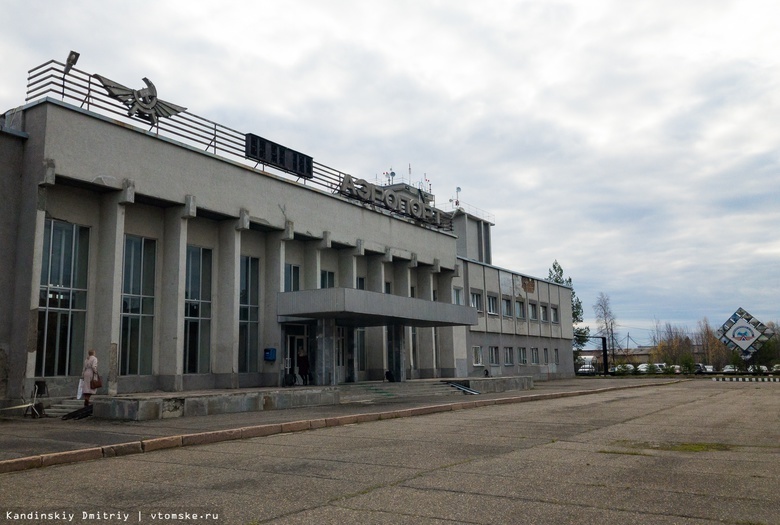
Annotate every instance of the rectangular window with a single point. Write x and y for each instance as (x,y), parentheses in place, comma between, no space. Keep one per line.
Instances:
(545,316)
(520,309)
(197,311)
(492,304)
(327,279)
(532,311)
(554,311)
(388,287)
(137,324)
(555,353)
(249,315)
(535,356)
(292,278)
(62,306)
(360,283)
(506,307)
(457,296)
(493,351)
(546,357)
(476,301)
(509,356)
(476,352)
(522,357)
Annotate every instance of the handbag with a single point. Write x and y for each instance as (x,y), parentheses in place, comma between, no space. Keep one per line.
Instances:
(96,382)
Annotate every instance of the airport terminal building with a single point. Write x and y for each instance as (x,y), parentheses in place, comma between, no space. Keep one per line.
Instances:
(191,256)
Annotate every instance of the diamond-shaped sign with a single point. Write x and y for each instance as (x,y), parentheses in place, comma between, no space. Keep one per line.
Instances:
(745,332)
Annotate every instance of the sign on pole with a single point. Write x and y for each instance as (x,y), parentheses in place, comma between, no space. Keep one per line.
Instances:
(745,332)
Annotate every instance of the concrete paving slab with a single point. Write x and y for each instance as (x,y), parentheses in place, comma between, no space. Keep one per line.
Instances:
(539,462)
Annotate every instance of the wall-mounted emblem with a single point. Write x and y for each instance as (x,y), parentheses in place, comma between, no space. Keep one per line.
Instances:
(141,102)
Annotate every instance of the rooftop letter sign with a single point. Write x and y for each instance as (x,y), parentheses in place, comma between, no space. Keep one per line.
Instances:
(745,332)
(262,150)
(387,198)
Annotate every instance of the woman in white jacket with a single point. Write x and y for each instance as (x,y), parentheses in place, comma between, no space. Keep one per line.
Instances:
(89,372)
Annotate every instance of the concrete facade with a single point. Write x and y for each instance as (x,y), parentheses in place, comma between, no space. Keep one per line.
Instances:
(524,323)
(185,271)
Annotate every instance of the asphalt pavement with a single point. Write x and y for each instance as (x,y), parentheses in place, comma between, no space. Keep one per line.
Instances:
(585,451)
(23,439)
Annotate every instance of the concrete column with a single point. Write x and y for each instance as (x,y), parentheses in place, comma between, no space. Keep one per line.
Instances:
(427,365)
(325,359)
(224,363)
(452,342)
(376,342)
(402,276)
(311,266)
(108,300)
(170,363)
(375,273)
(271,330)
(348,265)
(22,352)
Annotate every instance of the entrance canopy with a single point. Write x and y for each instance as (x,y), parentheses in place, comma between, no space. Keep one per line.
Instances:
(352,307)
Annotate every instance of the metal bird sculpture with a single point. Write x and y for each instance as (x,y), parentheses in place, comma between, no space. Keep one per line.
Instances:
(141,102)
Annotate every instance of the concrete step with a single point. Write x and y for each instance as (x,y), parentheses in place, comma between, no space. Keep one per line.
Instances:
(65,406)
(376,391)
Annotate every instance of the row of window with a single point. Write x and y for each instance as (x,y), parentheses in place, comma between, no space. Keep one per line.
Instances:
(63,303)
(494,357)
(535,312)
(292,280)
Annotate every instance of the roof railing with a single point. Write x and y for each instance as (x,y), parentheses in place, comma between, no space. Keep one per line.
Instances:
(81,89)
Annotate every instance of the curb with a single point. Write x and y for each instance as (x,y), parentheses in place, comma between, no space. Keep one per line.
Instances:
(218,436)
(749,379)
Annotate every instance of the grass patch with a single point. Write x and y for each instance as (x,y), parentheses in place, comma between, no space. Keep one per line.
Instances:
(623,452)
(697,447)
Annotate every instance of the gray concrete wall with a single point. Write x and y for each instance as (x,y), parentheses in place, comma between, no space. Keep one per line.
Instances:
(84,148)
(505,331)
(12,149)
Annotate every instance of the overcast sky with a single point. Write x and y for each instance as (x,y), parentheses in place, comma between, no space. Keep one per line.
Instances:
(638,143)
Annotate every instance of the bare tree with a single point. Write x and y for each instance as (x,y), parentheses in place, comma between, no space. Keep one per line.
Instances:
(606,321)
(715,352)
(674,344)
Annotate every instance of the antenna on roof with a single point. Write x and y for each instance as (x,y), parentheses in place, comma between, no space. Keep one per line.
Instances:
(456,200)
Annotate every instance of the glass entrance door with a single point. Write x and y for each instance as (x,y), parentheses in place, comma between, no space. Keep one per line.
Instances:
(296,356)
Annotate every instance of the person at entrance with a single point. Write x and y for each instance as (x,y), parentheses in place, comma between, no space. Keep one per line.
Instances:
(303,365)
(87,374)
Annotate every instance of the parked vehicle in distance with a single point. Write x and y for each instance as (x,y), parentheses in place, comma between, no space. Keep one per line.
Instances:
(776,369)
(586,370)
(709,369)
(752,369)
(698,368)
(646,368)
(621,369)
(730,369)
